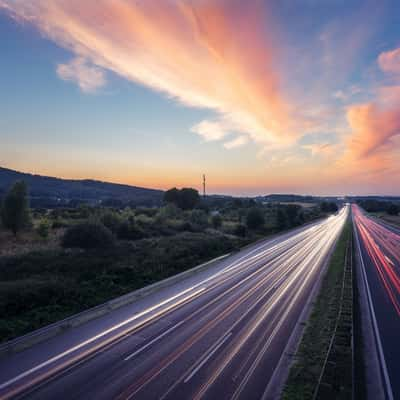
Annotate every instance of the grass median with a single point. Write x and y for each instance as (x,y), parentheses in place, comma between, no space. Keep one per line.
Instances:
(322,367)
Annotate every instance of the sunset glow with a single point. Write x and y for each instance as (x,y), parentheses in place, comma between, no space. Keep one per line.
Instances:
(261,97)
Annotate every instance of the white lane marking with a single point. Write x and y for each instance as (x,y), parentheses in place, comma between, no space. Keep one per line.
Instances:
(102,334)
(153,341)
(374,322)
(194,372)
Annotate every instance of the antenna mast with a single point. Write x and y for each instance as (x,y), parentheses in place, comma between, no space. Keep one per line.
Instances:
(204,185)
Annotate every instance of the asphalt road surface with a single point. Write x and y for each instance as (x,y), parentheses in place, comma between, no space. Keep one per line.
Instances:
(218,335)
(379,247)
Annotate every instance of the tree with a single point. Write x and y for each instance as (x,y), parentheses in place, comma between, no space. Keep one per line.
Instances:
(255,218)
(172,196)
(186,198)
(15,210)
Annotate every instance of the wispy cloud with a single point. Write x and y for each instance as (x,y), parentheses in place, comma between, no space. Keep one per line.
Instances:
(209,54)
(210,130)
(78,70)
(237,142)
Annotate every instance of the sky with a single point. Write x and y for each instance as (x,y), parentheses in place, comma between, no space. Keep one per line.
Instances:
(288,96)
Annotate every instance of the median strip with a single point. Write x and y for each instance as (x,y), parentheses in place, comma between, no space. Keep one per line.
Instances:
(322,367)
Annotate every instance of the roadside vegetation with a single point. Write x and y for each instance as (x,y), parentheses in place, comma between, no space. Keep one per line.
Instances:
(322,367)
(60,261)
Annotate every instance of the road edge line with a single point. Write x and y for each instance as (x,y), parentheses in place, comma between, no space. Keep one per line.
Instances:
(383,367)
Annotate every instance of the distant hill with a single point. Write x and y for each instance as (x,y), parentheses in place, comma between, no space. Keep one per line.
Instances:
(48,191)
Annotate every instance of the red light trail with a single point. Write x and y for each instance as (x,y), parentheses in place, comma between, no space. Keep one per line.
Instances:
(383,248)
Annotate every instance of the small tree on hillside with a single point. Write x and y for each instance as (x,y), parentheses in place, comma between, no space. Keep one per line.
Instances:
(15,209)
(186,198)
(172,196)
(189,198)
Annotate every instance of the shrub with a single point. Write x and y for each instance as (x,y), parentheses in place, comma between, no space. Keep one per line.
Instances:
(240,230)
(255,218)
(88,235)
(216,221)
(199,218)
(59,223)
(111,220)
(43,229)
(169,211)
(128,230)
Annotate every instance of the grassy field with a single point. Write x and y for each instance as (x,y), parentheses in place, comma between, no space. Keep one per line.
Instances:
(327,329)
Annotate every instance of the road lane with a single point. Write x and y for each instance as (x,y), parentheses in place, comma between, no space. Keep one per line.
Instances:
(379,247)
(222,336)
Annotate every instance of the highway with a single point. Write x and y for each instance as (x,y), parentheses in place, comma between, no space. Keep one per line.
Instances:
(379,248)
(218,335)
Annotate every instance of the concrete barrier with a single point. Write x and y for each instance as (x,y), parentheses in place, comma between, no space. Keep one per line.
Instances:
(49,331)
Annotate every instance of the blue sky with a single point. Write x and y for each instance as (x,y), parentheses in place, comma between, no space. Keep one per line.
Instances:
(264,97)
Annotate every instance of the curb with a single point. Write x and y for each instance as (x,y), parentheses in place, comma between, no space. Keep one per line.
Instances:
(24,342)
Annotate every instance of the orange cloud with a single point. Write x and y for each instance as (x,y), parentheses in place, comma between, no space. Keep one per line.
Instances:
(211,54)
(372,127)
(376,124)
(389,61)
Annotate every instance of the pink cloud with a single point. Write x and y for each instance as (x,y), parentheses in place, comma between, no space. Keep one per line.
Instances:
(376,124)
(389,61)
(211,54)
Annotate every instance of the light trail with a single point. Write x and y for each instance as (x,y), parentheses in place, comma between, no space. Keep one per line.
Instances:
(383,248)
(266,282)
(296,267)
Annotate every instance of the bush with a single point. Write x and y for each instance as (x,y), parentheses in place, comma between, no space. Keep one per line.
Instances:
(43,229)
(88,235)
(128,230)
(199,218)
(111,220)
(169,211)
(255,218)
(216,221)
(59,223)
(240,230)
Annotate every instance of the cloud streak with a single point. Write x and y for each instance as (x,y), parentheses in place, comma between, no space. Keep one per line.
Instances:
(210,54)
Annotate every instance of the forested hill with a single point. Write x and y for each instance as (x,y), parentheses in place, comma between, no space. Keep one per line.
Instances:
(49,191)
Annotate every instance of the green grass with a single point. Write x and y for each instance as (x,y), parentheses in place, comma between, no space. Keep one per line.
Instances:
(313,348)
(42,287)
